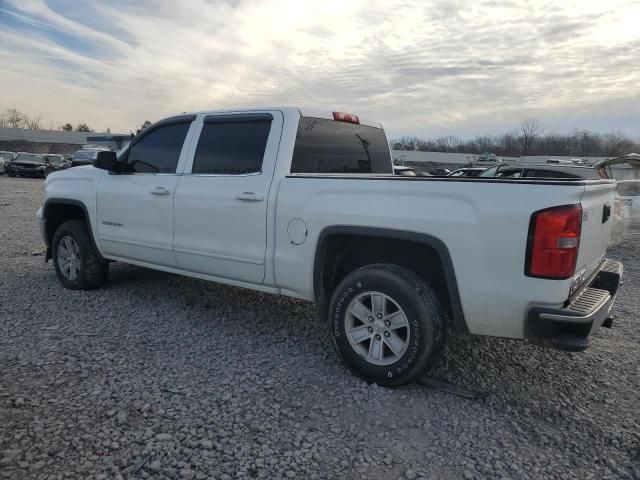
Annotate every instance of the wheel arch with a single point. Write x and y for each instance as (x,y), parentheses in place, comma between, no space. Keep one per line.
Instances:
(324,266)
(56,211)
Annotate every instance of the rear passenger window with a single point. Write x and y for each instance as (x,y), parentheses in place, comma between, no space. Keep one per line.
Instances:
(232,145)
(328,146)
(159,150)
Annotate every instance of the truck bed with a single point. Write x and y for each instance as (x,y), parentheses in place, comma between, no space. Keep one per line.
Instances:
(483,223)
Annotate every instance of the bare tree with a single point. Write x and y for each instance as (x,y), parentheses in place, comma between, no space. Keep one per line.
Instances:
(67,127)
(484,144)
(530,130)
(508,144)
(616,144)
(590,143)
(14,118)
(448,144)
(32,123)
(3,121)
(529,140)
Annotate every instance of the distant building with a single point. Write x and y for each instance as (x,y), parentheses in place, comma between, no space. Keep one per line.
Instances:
(114,142)
(55,141)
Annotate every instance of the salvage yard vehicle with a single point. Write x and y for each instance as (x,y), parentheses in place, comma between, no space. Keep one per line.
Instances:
(86,156)
(543,171)
(304,203)
(629,193)
(404,171)
(26,165)
(53,163)
(467,172)
(4,158)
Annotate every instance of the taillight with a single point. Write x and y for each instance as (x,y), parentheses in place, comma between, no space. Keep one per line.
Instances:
(554,239)
(345,117)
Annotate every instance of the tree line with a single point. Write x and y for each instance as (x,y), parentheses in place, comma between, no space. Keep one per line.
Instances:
(13,118)
(528,139)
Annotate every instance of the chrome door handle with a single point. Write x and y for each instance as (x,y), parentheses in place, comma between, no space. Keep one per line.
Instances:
(249,197)
(160,191)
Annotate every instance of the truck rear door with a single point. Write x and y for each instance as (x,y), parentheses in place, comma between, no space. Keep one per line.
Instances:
(220,205)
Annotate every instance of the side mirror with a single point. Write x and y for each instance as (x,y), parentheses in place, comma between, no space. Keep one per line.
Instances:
(106,160)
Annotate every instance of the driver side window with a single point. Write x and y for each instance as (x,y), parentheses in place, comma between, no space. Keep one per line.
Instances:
(158,151)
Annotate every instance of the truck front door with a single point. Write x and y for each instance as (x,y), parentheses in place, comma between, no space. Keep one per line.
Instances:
(135,208)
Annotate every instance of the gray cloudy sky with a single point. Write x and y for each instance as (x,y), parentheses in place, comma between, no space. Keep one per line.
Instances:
(421,67)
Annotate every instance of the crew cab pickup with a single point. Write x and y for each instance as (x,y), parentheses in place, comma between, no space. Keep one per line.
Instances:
(304,203)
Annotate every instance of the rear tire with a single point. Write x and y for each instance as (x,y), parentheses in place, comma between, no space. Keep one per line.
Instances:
(77,263)
(386,324)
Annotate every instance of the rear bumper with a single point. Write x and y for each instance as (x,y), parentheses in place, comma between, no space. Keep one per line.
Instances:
(570,328)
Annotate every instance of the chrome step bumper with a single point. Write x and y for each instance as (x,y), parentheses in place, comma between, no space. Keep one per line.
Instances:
(570,327)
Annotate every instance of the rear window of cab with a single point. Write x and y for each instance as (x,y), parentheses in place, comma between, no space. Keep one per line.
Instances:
(330,146)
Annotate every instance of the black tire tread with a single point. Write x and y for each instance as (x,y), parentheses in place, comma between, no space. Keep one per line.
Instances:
(430,301)
(94,269)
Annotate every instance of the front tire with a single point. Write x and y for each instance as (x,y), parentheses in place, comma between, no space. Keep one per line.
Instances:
(386,323)
(77,263)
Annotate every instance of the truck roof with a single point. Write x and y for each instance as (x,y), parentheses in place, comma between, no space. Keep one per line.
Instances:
(287,110)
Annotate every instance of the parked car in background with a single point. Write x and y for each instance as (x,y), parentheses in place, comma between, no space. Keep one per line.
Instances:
(439,172)
(26,165)
(53,163)
(404,171)
(467,172)
(4,158)
(570,161)
(487,157)
(542,171)
(629,193)
(86,156)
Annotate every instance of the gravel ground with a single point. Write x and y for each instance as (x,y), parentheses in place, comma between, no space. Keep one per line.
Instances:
(161,376)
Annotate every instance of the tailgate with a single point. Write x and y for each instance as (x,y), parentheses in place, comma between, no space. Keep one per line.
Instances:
(598,202)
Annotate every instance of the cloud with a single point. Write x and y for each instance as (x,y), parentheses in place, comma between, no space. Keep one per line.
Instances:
(421,67)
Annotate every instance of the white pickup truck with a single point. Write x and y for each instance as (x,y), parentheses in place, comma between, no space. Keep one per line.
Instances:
(302,202)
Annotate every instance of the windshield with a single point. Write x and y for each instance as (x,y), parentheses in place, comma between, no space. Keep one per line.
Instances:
(29,157)
(6,155)
(489,172)
(85,155)
(55,158)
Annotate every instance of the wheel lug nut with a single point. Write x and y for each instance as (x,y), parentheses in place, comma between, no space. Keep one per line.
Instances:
(387,323)
(379,315)
(387,334)
(370,319)
(370,329)
(377,336)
